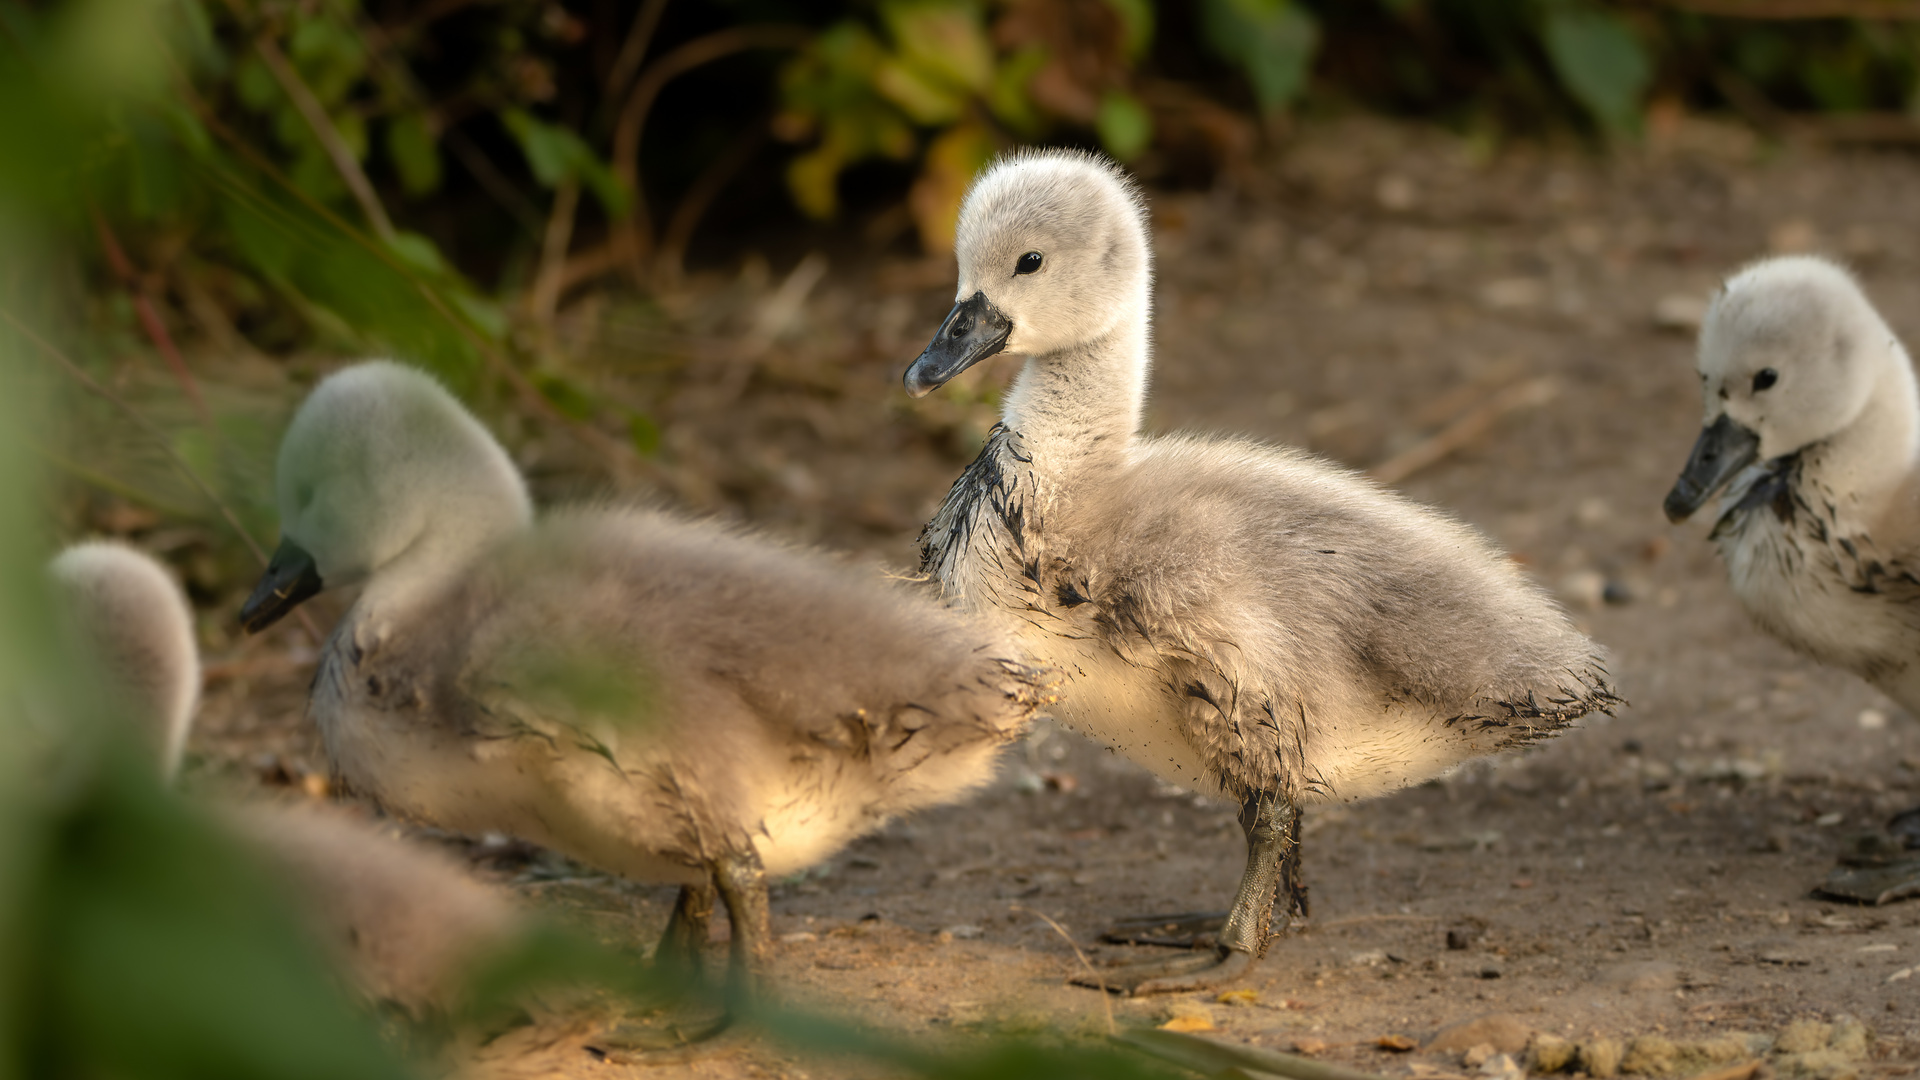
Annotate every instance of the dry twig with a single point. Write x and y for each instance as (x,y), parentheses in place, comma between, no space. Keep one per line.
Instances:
(670,260)
(634,49)
(544,297)
(1468,429)
(1092,972)
(633,236)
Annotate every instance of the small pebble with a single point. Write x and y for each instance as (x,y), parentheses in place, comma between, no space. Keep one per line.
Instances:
(1395,192)
(1679,312)
(1871,720)
(1584,588)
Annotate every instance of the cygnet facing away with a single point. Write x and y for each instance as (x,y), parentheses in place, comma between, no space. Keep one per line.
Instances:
(1244,620)
(1812,425)
(126,609)
(668,700)
(404,921)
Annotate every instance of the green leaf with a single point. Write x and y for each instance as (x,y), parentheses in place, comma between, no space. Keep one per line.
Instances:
(418,252)
(1272,41)
(926,100)
(1124,125)
(162,951)
(254,84)
(644,434)
(567,396)
(813,178)
(1137,16)
(415,157)
(556,154)
(1600,63)
(943,42)
(1011,98)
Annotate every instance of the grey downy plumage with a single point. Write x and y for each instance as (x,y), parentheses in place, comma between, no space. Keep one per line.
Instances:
(670,700)
(1811,426)
(403,921)
(1245,620)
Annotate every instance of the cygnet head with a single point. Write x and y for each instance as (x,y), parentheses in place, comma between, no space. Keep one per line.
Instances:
(1053,254)
(127,612)
(1790,352)
(381,465)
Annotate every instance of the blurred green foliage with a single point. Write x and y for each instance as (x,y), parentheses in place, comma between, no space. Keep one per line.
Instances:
(402,179)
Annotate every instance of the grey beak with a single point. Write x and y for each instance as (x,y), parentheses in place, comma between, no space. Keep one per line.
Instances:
(1722,450)
(974,330)
(290,579)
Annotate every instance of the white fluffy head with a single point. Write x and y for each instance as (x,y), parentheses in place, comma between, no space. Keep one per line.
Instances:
(1791,350)
(127,612)
(381,462)
(1088,224)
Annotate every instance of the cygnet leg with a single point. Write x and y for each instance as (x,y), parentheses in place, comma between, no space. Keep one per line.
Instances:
(1272,825)
(659,1034)
(743,886)
(685,938)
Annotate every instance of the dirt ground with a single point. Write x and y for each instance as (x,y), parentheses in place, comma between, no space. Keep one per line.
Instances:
(1366,288)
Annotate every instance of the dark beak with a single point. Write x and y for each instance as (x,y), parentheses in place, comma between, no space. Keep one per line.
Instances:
(291,578)
(1722,450)
(974,330)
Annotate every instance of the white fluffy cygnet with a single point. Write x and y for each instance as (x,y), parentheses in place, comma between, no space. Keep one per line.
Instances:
(670,700)
(1245,620)
(1812,427)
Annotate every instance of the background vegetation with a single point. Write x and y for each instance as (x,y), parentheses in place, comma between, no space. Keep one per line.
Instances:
(440,179)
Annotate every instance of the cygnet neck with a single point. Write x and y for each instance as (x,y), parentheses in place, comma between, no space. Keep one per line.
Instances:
(1871,459)
(1080,407)
(456,534)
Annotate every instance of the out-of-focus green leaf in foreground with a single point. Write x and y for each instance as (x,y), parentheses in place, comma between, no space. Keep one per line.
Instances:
(1273,41)
(1600,62)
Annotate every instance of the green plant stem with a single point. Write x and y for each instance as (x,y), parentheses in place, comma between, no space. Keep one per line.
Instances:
(95,478)
(160,439)
(139,419)
(618,457)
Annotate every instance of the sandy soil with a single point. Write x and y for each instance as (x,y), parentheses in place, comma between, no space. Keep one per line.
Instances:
(1648,875)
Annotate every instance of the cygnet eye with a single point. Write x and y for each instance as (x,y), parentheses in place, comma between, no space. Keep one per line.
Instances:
(1028,263)
(1765,378)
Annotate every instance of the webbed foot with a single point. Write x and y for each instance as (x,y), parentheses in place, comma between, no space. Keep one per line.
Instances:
(1182,930)
(1272,879)
(1200,969)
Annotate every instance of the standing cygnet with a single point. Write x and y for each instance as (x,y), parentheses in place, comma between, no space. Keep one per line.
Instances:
(404,921)
(125,608)
(1244,620)
(670,701)
(1812,424)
